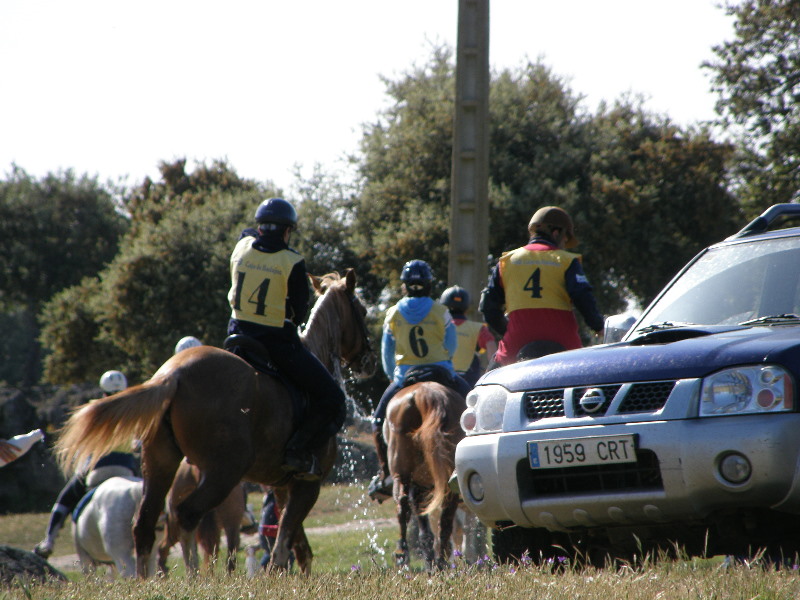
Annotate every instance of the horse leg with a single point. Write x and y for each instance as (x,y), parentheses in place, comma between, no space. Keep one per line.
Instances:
(446,522)
(215,485)
(170,539)
(207,537)
(189,551)
(299,500)
(425,533)
(401,494)
(232,538)
(160,459)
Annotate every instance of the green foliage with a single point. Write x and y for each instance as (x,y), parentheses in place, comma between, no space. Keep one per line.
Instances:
(71,332)
(53,232)
(403,208)
(657,197)
(757,76)
(324,211)
(170,279)
(645,194)
(539,152)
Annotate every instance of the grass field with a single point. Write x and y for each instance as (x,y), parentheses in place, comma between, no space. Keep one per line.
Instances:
(353,540)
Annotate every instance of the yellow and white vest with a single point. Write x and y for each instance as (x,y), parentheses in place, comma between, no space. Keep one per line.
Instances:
(260,283)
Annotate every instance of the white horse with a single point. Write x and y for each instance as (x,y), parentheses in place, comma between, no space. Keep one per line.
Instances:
(103,533)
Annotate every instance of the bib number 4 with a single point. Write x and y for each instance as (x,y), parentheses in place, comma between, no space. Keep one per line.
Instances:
(533,285)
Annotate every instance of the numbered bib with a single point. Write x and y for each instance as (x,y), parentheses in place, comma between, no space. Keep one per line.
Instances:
(535,278)
(421,343)
(260,283)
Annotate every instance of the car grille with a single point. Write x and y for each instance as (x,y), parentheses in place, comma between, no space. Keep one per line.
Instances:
(642,475)
(644,397)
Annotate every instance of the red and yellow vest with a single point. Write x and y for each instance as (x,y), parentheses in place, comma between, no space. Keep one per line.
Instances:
(535,279)
(421,343)
(260,283)
(468,332)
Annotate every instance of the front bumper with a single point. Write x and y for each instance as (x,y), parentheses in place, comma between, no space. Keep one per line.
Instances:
(680,459)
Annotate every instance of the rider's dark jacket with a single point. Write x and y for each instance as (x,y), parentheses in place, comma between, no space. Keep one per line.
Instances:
(265,271)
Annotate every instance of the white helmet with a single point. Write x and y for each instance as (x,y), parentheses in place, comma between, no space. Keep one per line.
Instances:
(187,342)
(113,382)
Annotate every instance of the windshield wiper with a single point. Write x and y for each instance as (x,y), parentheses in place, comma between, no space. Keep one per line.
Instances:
(772,319)
(661,326)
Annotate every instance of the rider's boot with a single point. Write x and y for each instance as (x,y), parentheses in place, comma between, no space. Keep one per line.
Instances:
(57,518)
(298,458)
(380,488)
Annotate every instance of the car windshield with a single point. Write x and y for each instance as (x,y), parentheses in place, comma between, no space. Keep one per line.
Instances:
(733,284)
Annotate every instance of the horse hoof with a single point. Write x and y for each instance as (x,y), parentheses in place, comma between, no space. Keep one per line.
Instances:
(400,559)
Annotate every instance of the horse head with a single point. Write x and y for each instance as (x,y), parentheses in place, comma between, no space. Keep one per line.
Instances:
(355,348)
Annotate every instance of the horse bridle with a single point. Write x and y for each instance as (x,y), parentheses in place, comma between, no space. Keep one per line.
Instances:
(363,357)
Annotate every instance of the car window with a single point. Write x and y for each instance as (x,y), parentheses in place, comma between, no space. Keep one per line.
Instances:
(734,283)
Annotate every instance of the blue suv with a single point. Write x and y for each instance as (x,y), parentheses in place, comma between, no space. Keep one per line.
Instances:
(684,435)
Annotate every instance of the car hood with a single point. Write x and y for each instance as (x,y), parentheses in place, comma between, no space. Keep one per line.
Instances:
(680,353)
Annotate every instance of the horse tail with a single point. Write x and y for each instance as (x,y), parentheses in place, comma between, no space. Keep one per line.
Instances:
(103,425)
(437,446)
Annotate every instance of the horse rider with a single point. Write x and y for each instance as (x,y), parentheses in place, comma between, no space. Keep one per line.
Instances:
(473,337)
(119,463)
(532,290)
(269,300)
(416,331)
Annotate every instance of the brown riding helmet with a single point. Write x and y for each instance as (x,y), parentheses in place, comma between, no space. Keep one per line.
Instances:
(554,217)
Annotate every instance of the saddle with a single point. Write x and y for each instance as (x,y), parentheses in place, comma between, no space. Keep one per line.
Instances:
(434,373)
(257,355)
(82,503)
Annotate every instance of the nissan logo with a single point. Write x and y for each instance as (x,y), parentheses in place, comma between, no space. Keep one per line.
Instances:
(592,400)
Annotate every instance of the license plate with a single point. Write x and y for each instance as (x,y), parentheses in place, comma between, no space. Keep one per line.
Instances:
(578,452)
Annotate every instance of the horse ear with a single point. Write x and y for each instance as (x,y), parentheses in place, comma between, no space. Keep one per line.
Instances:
(316,283)
(350,278)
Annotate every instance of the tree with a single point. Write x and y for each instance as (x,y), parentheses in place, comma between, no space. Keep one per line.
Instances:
(53,232)
(170,279)
(618,172)
(757,77)
(658,195)
(404,166)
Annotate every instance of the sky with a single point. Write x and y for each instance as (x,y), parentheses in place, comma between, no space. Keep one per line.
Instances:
(110,88)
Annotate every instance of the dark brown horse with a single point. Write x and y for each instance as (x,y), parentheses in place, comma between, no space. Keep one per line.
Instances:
(227,516)
(421,430)
(228,420)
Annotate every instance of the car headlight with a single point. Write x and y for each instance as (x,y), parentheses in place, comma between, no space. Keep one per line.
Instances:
(747,390)
(485,407)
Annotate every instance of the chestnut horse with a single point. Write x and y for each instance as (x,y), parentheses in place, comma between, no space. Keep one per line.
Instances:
(227,516)
(226,418)
(421,430)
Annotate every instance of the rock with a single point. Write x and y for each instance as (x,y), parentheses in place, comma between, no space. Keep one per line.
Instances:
(22,566)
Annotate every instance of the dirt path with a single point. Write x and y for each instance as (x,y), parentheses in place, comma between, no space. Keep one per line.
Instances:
(69,562)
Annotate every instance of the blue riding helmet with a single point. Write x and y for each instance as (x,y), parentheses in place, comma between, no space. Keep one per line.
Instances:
(416,272)
(276,210)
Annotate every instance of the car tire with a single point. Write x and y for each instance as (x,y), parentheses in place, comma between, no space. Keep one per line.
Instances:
(510,544)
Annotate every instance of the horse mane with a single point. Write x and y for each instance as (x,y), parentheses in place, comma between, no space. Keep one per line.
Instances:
(321,333)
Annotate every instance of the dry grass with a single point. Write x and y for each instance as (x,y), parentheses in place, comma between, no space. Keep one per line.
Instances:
(662,581)
(354,563)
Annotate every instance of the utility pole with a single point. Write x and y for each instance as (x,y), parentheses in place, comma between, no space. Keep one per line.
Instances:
(469,202)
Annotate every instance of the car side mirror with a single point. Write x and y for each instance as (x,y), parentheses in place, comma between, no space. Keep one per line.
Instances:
(617,326)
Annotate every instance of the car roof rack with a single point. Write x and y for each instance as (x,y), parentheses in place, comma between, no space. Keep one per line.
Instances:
(762,223)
